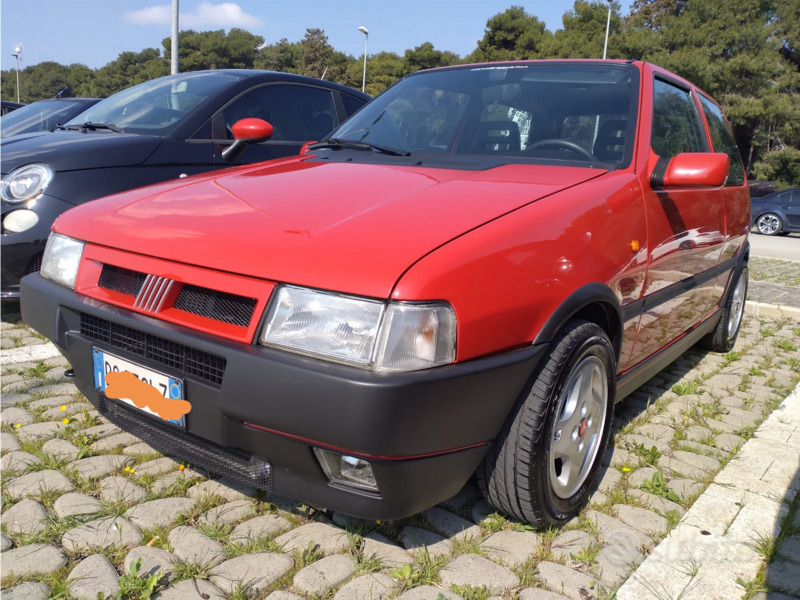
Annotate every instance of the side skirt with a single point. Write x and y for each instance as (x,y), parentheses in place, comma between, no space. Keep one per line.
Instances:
(629,381)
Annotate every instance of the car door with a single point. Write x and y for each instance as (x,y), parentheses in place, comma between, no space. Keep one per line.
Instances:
(685,226)
(792,210)
(298,113)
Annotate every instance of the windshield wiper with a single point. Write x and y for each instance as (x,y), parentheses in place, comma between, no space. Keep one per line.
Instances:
(352,145)
(89,126)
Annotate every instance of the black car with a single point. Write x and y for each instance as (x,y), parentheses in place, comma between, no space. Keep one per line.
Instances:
(163,129)
(778,213)
(43,115)
(8,106)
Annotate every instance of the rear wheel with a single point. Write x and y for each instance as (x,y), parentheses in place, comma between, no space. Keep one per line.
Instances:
(769,224)
(547,455)
(723,338)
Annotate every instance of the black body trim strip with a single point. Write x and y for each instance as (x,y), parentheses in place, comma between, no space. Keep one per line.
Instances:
(635,309)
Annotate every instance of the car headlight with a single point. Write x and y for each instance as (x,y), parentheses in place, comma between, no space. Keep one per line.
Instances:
(361,332)
(26,183)
(62,255)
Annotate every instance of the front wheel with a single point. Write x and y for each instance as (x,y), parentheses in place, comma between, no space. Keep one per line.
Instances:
(769,224)
(542,465)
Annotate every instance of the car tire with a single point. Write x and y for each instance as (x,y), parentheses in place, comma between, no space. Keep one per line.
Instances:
(525,474)
(769,224)
(723,338)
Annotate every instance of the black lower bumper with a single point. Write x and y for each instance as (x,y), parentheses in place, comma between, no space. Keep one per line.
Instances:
(424,433)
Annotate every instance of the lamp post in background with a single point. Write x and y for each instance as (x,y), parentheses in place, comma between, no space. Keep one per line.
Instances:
(365,31)
(608,24)
(16,54)
(174,48)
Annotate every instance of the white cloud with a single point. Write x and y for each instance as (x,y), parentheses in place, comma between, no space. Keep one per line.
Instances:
(224,14)
(152,15)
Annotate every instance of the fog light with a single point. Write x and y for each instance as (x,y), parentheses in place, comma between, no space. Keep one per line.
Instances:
(347,470)
(20,220)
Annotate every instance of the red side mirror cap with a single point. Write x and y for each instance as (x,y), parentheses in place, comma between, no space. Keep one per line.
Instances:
(697,169)
(252,129)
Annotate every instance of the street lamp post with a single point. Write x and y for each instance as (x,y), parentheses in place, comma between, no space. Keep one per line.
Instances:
(365,31)
(608,24)
(16,54)
(174,53)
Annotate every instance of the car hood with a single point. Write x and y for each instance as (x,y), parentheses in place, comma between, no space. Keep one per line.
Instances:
(72,150)
(349,227)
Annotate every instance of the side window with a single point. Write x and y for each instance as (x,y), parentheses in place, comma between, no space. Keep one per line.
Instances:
(297,112)
(351,104)
(723,141)
(796,197)
(676,126)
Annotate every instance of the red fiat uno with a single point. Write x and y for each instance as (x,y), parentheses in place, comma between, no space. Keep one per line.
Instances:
(464,276)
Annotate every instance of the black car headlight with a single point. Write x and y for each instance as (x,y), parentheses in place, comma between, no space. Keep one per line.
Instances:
(26,183)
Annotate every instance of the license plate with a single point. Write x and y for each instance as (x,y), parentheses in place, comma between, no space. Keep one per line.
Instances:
(169,387)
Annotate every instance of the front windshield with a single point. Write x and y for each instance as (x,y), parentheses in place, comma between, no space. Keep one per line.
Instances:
(575,111)
(38,116)
(156,106)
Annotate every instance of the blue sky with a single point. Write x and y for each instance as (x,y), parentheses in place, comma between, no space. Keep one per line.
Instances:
(94,32)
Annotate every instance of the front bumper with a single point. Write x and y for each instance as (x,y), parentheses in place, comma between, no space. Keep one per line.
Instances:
(424,433)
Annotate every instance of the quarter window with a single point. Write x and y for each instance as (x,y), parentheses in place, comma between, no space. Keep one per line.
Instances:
(676,127)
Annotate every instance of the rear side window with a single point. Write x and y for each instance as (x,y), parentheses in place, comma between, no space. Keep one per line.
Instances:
(676,124)
(723,141)
(297,112)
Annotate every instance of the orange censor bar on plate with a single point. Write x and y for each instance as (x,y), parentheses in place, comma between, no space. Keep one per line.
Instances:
(125,384)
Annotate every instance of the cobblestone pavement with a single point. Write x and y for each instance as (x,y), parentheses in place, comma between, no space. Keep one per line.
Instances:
(89,509)
(780,272)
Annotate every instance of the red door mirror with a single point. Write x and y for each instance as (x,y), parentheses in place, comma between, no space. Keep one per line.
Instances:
(252,129)
(695,169)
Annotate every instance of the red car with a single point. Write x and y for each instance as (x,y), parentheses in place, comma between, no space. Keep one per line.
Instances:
(464,276)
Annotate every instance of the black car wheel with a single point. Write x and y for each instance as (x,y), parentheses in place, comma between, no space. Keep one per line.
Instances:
(723,338)
(546,457)
(769,224)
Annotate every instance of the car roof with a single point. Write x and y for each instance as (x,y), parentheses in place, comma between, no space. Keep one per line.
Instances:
(278,76)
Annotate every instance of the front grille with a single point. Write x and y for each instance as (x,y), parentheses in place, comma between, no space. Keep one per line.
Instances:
(121,280)
(36,263)
(239,465)
(151,291)
(220,306)
(170,354)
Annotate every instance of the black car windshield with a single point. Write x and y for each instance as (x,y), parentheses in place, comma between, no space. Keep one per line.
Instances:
(575,111)
(154,107)
(41,116)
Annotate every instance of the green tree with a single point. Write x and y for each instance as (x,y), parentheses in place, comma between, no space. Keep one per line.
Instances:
(425,56)
(512,35)
(130,68)
(201,50)
(282,56)
(316,54)
(583,35)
